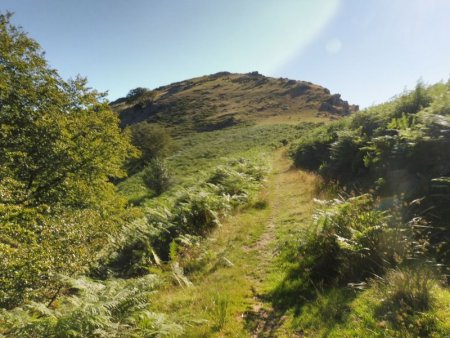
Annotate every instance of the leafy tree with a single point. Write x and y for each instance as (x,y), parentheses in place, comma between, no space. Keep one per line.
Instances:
(133,93)
(60,145)
(59,140)
(152,140)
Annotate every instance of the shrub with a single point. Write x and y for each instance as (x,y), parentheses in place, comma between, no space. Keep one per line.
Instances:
(394,149)
(349,241)
(345,243)
(313,149)
(311,152)
(156,176)
(369,123)
(413,102)
(136,92)
(345,162)
(197,212)
(153,141)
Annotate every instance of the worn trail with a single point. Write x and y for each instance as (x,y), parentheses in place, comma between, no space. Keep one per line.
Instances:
(230,298)
(290,194)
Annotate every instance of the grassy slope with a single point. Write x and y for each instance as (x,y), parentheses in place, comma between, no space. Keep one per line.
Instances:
(249,240)
(263,112)
(250,296)
(234,295)
(200,152)
(224,99)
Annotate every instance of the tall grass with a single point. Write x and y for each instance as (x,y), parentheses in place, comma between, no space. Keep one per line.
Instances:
(219,311)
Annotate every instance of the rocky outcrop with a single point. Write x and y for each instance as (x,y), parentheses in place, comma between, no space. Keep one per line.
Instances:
(335,105)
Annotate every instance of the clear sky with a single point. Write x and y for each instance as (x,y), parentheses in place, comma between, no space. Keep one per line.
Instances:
(367,50)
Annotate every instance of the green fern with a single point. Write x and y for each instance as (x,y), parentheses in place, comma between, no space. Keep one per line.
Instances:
(115,308)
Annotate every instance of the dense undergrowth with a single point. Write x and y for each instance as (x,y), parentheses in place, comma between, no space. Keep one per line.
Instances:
(157,243)
(193,211)
(115,308)
(375,261)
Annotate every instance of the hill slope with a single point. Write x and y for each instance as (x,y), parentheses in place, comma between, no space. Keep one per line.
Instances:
(224,99)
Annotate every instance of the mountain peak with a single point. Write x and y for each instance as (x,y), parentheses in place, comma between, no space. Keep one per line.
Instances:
(224,99)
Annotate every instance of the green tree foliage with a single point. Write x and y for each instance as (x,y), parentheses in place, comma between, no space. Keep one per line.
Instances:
(152,140)
(60,145)
(156,176)
(136,92)
(59,140)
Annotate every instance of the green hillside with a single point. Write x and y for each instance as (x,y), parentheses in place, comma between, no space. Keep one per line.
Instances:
(224,99)
(230,205)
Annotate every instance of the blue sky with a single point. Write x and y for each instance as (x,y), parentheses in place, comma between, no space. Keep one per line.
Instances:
(367,50)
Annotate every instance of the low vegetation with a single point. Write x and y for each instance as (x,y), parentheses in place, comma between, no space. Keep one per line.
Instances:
(191,221)
(388,236)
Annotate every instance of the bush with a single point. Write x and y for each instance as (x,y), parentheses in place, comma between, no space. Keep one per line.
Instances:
(369,123)
(313,149)
(197,212)
(311,152)
(136,92)
(348,242)
(345,162)
(156,176)
(413,102)
(394,149)
(153,141)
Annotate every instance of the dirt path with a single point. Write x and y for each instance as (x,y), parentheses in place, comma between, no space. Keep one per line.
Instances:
(290,194)
(231,299)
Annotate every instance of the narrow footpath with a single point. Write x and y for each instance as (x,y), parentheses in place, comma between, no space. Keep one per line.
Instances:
(230,297)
